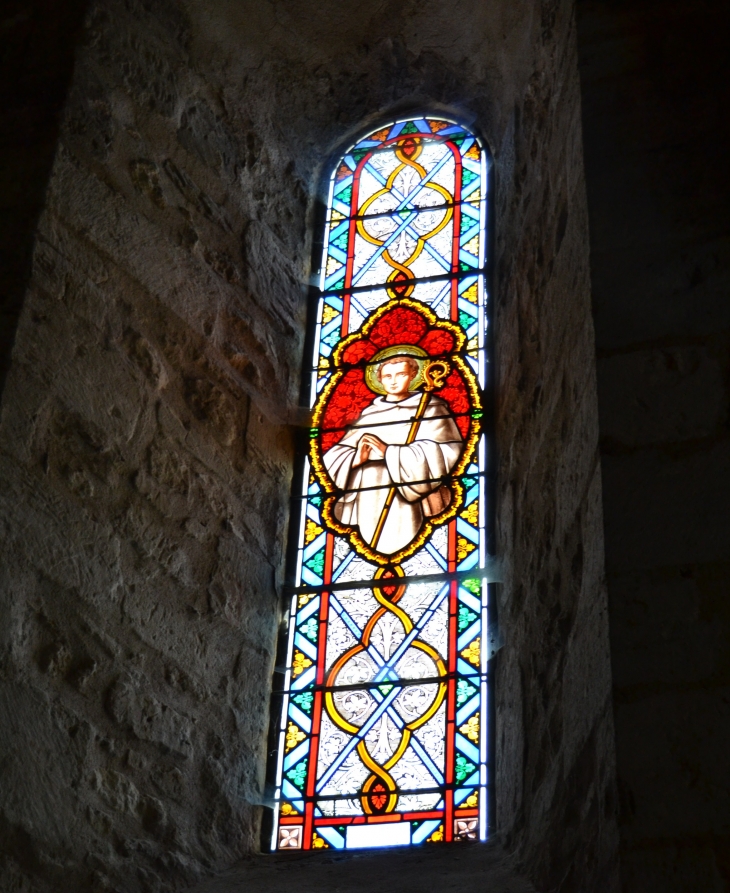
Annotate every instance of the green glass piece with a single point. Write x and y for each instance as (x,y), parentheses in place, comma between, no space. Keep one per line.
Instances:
(316,562)
(341,283)
(304,701)
(464,768)
(298,773)
(466,223)
(311,627)
(466,617)
(464,690)
(465,267)
(474,586)
(332,338)
(346,195)
(467,176)
(466,320)
(410,128)
(341,241)
(359,154)
(385,689)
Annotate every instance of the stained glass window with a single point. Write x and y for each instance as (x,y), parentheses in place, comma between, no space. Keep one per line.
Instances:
(384,730)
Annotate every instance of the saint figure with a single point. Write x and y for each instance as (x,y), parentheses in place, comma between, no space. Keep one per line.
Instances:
(392,460)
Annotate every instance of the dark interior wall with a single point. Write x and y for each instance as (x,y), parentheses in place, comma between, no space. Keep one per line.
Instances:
(656,91)
(145,445)
(37,41)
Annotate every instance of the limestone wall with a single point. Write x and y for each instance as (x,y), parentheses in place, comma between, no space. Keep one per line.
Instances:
(146,433)
(655,80)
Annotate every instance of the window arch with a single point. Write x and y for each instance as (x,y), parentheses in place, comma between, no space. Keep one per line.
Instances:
(384,728)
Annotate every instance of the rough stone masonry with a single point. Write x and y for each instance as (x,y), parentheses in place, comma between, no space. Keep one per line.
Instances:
(149,415)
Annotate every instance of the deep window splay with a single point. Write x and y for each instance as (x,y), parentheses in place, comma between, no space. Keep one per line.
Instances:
(383,737)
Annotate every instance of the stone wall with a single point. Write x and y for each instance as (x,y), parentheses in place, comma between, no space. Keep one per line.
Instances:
(146,433)
(655,80)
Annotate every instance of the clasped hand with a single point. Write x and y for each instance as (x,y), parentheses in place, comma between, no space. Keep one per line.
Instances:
(369,447)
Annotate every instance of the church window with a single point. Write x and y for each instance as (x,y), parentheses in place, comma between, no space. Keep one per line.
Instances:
(384,730)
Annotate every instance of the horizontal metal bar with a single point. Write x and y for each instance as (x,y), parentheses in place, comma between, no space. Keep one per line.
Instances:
(360,686)
(444,206)
(338,492)
(492,573)
(363,364)
(353,426)
(451,786)
(377,286)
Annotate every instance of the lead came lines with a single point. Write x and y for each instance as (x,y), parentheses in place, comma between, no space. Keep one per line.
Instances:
(378,693)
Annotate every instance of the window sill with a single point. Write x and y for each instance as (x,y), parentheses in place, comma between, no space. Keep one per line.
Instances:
(415,870)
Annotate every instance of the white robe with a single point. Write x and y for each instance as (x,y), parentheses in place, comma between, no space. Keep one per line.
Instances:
(415,470)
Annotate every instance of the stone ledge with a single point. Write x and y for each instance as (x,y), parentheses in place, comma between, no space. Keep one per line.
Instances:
(467,867)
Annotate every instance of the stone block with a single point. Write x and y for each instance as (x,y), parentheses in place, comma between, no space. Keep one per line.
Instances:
(674,775)
(669,627)
(667,507)
(681,866)
(661,395)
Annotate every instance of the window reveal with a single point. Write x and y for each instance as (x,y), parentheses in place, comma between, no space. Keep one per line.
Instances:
(384,728)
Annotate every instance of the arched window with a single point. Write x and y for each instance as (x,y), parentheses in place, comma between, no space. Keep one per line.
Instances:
(384,729)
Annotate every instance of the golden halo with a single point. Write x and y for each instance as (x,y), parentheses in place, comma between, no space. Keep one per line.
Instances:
(388,353)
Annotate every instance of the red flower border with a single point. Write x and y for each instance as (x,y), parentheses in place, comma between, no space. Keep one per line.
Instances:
(402,321)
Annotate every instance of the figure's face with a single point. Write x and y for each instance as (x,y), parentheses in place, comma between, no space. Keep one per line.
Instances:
(396,378)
